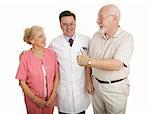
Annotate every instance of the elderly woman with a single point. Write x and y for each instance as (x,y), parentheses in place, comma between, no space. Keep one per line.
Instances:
(38,73)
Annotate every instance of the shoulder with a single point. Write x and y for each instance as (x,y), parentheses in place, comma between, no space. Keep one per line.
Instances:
(126,35)
(83,37)
(55,41)
(57,38)
(50,51)
(97,34)
(25,55)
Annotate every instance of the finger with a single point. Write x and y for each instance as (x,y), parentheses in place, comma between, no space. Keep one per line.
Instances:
(89,91)
(92,91)
(78,53)
(77,57)
(43,106)
(81,52)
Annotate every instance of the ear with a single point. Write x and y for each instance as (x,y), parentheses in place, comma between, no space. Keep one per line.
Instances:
(60,26)
(115,17)
(31,40)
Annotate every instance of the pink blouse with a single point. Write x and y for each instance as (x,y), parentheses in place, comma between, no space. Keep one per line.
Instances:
(30,70)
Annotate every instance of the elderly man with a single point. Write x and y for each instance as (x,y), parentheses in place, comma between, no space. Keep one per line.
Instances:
(108,63)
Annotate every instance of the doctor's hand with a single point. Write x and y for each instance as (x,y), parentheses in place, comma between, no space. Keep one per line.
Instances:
(82,60)
(89,86)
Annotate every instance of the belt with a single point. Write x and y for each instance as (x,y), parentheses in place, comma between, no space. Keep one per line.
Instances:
(109,82)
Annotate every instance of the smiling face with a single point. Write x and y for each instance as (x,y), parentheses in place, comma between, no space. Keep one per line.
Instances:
(108,18)
(38,39)
(68,25)
(105,21)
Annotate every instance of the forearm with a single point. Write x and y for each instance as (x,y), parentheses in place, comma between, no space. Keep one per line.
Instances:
(88,72)
(107,64)
(56,83)
(27,90)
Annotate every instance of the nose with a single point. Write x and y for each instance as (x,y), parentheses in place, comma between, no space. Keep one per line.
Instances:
(44,38)
(98,21)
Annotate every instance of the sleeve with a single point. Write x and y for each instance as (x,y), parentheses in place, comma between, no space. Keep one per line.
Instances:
(56,63)
(50,46)
(125,50)
(22,69)
(92,44)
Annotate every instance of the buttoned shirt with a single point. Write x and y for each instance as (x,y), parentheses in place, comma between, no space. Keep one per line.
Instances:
(30,70)
(119,46)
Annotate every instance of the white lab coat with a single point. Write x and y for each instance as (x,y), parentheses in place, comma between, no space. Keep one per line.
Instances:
(72,94)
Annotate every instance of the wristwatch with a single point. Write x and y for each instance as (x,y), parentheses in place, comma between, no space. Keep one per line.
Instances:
(89,63)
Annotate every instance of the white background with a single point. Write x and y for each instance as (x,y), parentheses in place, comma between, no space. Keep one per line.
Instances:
(16,15)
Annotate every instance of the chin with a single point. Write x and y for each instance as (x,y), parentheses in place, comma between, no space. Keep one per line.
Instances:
(103,29)
(43,45)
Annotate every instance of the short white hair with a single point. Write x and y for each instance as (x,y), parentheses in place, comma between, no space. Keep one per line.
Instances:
(112,9)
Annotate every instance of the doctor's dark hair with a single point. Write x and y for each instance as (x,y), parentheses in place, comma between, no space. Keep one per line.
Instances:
(66,13)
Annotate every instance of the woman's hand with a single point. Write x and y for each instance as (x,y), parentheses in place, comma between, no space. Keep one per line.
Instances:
(39,102)
(51,100)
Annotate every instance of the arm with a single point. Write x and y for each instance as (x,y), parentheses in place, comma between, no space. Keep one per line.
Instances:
(105,64)
(89,83)
(55,87)
(40,103)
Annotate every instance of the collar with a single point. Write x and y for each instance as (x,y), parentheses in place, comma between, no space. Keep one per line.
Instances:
(115,35)
(67,38)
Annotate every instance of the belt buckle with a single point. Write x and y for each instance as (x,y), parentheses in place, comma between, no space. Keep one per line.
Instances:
(109,81)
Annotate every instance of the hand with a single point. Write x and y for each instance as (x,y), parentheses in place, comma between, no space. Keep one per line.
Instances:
(51,100)
(89,86)
(39,102)
(82,60)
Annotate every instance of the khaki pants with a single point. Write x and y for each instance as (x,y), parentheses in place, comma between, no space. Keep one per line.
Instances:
(110,98)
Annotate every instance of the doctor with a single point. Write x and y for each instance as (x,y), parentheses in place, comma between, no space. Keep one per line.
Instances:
(72,94)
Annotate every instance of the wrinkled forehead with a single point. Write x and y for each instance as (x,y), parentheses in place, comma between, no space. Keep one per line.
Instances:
(104,11)
(109,10)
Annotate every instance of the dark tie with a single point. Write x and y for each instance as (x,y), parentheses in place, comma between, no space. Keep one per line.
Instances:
(70,42)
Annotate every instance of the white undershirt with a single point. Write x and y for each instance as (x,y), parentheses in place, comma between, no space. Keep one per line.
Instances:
(45,88)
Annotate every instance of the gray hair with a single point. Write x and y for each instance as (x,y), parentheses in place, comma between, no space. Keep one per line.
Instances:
(113,10)
(29,33)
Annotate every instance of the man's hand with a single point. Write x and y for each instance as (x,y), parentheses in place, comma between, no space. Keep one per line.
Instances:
(82,60)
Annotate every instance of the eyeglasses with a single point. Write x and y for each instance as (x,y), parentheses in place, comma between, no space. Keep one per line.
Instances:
(103,17)
(40,36)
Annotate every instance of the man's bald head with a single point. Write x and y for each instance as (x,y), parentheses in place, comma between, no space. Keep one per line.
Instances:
(110,10)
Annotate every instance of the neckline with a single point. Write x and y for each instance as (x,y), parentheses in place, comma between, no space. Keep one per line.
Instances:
(37,58)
